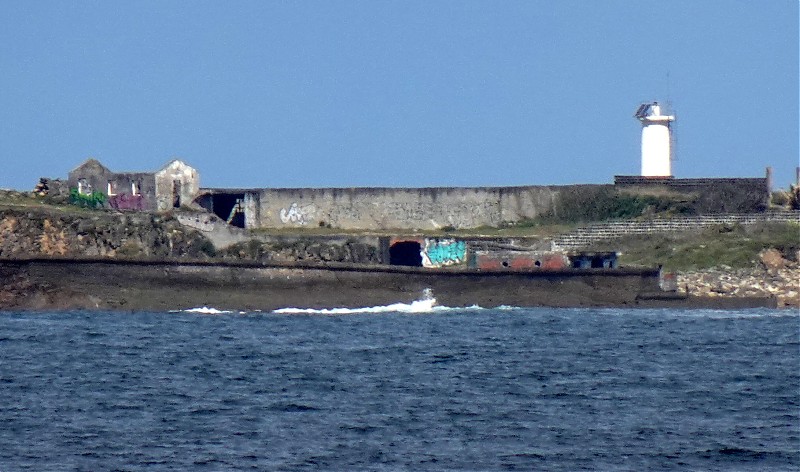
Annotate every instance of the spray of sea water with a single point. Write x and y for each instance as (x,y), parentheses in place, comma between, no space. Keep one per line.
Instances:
(425,304)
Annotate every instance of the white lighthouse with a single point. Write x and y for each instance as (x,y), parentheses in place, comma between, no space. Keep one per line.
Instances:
(656,140)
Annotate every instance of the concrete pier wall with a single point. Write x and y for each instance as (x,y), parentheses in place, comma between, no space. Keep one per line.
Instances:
(94,284)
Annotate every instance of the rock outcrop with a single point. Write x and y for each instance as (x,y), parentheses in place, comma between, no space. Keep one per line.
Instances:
(34,232)
(280,250)
(776,277)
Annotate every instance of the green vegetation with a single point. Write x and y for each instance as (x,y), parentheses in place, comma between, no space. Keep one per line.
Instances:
(15,199)
(735,246)
(602,203)
(95,199)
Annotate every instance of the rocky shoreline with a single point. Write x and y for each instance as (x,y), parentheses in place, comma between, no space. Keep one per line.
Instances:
(53,233)
(777,277)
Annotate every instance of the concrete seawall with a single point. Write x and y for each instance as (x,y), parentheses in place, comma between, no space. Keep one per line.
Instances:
(36,284)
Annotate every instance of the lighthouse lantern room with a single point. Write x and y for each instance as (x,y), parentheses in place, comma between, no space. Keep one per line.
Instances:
(656,140)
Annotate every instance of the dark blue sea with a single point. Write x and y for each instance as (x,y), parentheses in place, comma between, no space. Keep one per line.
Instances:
(401,389)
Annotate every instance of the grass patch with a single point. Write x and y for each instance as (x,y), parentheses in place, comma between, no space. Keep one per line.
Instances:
(735,246)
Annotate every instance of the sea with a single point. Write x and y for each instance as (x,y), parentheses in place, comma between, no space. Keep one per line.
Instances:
(401,387)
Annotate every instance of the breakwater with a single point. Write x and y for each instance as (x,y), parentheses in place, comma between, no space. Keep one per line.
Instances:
(145,285)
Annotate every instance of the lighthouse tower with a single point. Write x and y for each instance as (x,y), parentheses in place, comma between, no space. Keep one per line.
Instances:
(656,140)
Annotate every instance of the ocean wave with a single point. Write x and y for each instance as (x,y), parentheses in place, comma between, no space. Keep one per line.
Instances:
(417,306)
(426,304)
(204,310)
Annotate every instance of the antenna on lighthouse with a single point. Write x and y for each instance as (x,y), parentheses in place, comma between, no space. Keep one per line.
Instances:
(656,140)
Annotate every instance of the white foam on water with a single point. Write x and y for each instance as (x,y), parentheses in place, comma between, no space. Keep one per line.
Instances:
(508,308)
(426,304)
(206,311)
(417,306)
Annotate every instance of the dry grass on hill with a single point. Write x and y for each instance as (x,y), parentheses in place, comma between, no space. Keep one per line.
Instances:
(735,246)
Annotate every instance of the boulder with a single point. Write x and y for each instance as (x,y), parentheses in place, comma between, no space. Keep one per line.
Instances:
(772,260)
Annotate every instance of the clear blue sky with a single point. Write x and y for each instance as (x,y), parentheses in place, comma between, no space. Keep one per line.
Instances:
(395,93)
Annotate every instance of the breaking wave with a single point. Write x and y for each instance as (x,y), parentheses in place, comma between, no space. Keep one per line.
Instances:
(418,306)
(426,304)
(204,310)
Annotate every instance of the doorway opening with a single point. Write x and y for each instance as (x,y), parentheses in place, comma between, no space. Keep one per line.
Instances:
(406,253)
(176,194)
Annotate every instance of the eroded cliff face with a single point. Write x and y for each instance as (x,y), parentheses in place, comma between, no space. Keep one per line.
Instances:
(41,232)
(26,233)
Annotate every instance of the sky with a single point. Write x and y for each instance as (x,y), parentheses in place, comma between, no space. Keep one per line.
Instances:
(374,93)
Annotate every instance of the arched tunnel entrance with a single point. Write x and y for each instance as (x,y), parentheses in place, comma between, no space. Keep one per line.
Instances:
(406,253)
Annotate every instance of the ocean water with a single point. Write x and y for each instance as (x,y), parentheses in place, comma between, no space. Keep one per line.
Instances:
(406,387)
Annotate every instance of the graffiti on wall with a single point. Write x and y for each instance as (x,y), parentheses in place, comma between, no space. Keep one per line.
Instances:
(443,252)
(298,215)
(126,201)
(95,199)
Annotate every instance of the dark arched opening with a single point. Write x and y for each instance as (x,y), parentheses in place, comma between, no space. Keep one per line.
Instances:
(406,253)
(228,206)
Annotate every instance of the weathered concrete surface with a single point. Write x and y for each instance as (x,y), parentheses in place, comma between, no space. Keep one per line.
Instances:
(473,207)
(220,233)
(393,208)
(98,284)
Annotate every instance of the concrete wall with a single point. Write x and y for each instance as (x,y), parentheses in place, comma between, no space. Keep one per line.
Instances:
(459,207)
(396,208)
(165,286)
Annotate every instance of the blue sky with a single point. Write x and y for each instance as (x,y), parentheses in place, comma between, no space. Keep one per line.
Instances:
(395,93)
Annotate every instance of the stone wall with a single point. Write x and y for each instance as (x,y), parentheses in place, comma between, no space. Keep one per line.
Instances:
(396,208)
(177,184)
(124,190)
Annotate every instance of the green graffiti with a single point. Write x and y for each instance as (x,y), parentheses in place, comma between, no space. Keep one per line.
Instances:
(95,199)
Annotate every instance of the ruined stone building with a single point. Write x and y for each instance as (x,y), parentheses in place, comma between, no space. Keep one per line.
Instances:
(174,185)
